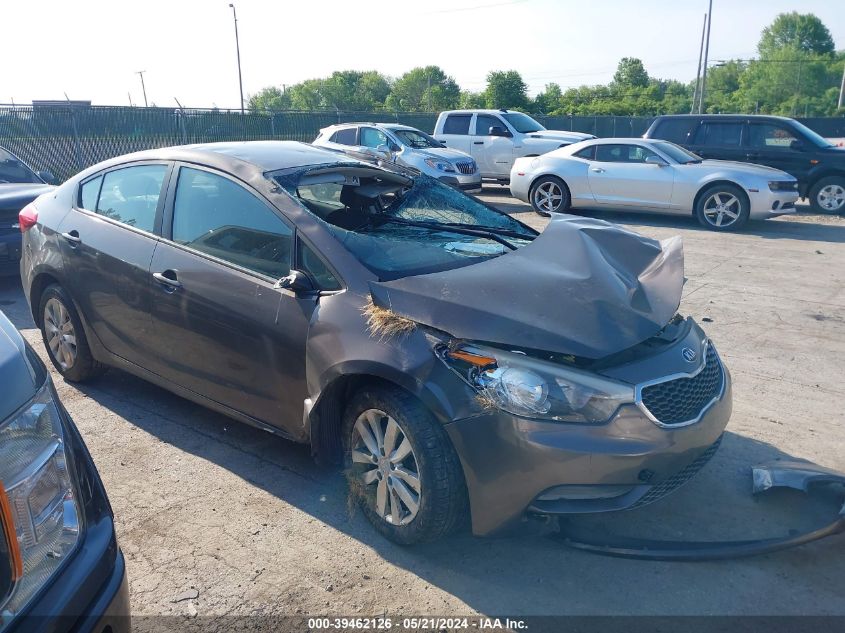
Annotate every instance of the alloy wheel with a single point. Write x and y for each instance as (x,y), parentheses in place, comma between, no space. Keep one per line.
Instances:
(722,209)
(384,459)
(61,335)
(548,196)
(831,198)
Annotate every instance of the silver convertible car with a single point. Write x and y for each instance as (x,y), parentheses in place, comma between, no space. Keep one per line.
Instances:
(649,175)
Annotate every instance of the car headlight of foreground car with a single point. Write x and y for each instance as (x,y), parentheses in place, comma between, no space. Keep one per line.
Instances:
(39,512)
(535,388)
(440,165)
(783,185)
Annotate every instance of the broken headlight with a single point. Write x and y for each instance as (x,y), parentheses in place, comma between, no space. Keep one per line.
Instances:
(534,388)
(39,514)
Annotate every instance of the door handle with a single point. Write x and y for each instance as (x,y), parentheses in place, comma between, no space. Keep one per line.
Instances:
(598,170)
(72,237)
(751,155)
(168,278)
(478,142)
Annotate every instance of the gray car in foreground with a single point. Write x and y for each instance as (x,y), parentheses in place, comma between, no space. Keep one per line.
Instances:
(453,359)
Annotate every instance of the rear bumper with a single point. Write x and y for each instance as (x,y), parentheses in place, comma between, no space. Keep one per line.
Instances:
(509,462)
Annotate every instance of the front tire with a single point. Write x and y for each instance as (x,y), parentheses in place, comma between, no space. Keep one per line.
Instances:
(549,194)
(722,208)
(64,338)
(828,195)
(402,468)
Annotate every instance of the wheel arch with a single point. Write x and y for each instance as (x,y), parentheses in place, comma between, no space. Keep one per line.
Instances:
(713,183)
(40,282)
(547,174)
(325,418)
(825,173)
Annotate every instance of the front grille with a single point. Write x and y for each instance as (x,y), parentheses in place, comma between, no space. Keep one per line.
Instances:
(658,491)
(682,400)
(467,167)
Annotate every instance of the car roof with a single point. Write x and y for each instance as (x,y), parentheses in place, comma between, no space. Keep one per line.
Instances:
(478,111)
(725,116)
(265,156)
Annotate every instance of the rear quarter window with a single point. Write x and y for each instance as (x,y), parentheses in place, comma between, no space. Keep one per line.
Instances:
(675,130)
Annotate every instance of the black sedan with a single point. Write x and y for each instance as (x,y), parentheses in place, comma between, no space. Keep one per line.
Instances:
(19,186)
(60,566)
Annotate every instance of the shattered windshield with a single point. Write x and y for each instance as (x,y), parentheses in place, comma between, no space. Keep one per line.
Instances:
(399,226)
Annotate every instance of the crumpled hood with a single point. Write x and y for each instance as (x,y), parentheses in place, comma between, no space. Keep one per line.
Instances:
(583,287)
(559,135)
(451,155)
(14,194)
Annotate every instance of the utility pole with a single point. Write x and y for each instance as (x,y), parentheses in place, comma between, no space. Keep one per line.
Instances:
(842,90)
(706,54)
(698,70)
(140,73)
(238,49)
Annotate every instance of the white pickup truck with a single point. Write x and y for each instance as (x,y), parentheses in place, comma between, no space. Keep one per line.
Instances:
(495,138)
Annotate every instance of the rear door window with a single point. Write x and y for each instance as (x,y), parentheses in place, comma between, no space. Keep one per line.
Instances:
(770,136)
(217,216)
(457,124)
(130,195)
(719,134)
(345,136)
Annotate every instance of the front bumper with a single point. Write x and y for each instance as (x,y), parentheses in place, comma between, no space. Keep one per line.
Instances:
(463,182)
(10,253)
(769,204)
(509,461)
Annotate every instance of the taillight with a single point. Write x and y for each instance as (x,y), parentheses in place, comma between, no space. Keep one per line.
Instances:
(28,217)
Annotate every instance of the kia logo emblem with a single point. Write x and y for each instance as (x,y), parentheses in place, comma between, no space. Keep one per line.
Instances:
(688,354)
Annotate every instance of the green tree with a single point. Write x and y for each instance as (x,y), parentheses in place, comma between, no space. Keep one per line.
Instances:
(548,100)
(306,95)
(506,89)
(472,100)
(630,73)
(424,89)
(269,100)
(799,31)
(354,90)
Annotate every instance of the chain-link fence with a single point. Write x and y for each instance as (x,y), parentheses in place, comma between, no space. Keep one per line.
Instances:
(67,139)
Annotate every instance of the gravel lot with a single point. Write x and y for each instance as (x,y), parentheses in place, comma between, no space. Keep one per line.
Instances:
(255,527)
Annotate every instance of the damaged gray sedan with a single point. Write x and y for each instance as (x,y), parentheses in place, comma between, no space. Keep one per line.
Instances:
(454,360)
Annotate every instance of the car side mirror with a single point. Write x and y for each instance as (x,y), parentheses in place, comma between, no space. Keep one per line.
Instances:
(655,160)
(384,151)
(297,281)
(497,130)
(797,145)
(48,177)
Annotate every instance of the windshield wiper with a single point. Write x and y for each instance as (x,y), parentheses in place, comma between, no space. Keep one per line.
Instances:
(490,229)
(449,228)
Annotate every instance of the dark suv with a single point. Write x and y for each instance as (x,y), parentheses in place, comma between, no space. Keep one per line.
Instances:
(776,141)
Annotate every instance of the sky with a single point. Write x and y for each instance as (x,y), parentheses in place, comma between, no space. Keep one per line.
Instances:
(92,49)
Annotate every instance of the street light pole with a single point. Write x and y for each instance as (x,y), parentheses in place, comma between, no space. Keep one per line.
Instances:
(706,54)
(842,90)
(238,49)
(140,73)
(698,71)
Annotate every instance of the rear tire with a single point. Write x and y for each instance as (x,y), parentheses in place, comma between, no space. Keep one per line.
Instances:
(722,208)
(828,195)
(64,338)
(548,195)
(402,468)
